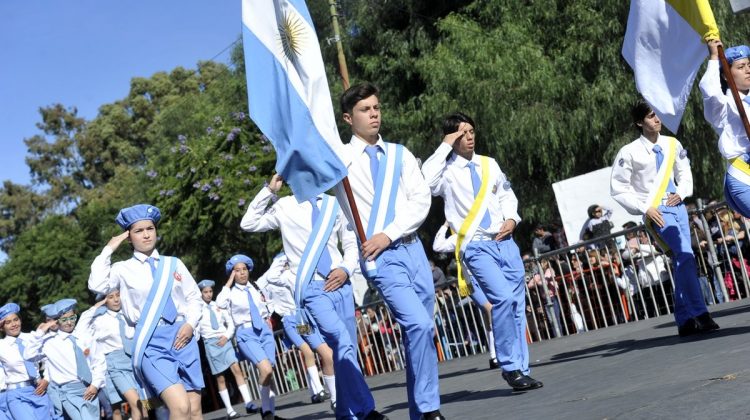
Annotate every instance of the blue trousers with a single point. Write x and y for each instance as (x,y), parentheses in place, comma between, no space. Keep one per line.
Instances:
(477,295)
(688,298)
(22,403)
(4,413)
(498,268)
(74,406)
(737,194)
(404,278)
(333,312)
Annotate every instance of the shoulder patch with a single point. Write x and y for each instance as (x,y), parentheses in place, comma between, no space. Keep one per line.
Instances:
(683,153)
(506,185)
(271,210)
(621,162)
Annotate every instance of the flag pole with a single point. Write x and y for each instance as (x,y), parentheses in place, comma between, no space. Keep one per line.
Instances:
(345,80)
(733,87)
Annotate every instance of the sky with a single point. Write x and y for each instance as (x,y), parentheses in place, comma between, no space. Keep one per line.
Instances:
(83,54)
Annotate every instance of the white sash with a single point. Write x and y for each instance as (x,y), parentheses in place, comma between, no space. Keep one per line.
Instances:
(315,245)
(161,289)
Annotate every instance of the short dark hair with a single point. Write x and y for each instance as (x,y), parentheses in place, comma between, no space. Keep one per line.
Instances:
(355,94)
(452,121)
(639,112)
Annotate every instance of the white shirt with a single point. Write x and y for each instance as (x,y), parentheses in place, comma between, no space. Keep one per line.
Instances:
(451,179)
(235,300)
(634,174)
(412,199)
(295,222)
(134,279)
(721,112)
(443,243)
(107,332)
(3,380)
(12,360)
(277,285)
(58,350)
(226,326)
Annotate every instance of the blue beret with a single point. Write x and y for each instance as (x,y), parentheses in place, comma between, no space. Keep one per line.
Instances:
(49,311)
(9,309)
(127,216)
(737,53)
(206,283)
(64,305)
(239,258)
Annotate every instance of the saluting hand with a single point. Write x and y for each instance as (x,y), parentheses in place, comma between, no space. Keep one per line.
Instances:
(335,279)
(117,240)
(230,281)
(45,326)
(452,138)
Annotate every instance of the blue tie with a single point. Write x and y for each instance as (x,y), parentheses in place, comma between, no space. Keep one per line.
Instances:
(30,368)
(170,311)
(325,261)
(659,159)
(476,183)
(82,367)
(127,343)
(372,151)
(212,315)
(746,99)
(254,314)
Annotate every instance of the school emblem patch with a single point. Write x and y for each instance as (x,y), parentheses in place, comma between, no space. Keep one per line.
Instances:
(506,185)
(621,162)
(683,153)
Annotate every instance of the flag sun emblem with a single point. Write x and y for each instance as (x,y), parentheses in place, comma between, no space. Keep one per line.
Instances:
(291,34)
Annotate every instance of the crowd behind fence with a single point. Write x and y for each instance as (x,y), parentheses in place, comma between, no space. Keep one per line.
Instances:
(610,280)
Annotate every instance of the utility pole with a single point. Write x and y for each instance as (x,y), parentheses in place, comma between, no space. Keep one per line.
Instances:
(339,47)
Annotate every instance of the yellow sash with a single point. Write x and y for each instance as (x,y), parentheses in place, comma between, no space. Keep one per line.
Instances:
(663,176)
(464,288)
(740,164)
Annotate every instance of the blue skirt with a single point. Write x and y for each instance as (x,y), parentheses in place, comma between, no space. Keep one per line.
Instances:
(219,357)
(22,403)
(163,366)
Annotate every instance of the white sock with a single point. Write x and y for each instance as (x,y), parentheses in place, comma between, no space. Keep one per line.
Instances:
(331,385)
(245,393)
(491,343)
(267,399)
(313,380)
(227,403)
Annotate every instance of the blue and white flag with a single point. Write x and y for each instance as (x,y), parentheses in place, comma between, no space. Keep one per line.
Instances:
(288,95)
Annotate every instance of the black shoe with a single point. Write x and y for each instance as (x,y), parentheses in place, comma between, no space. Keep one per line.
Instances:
(271,416)
(233,416)
(688,328)
(706,323)
(520,382)
(494,364)
(375,415)
(251,408)
(319,397)
(333,406)
(433,415)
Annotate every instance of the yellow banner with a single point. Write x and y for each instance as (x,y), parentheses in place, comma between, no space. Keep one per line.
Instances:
(464,288)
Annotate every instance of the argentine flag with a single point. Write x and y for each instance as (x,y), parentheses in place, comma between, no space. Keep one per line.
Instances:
(664,45)
(288,94)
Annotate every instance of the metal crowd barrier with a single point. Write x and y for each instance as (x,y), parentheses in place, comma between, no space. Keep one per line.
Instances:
(619,278)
